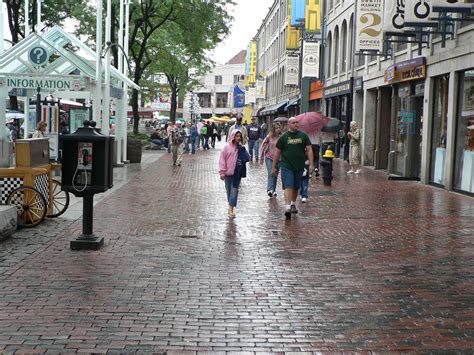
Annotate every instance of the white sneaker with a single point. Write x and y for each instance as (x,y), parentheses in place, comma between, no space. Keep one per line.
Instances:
(274,194)
(357,171)
(304,199)
(350,172)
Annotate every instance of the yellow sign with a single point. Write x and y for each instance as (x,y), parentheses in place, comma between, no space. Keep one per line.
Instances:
(313,16)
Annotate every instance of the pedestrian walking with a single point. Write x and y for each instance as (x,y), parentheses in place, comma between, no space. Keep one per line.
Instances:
(200,140)
(304,190)
(194,138)
(254,131)
(291,148)
(354,148)
(169,128)
(177,139)
(267,153)
(238,126)
(232,168)
(315,139)
(213,133)
(187,131)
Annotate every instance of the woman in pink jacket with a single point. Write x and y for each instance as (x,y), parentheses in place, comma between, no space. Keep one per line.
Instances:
(232,168)
(267,151)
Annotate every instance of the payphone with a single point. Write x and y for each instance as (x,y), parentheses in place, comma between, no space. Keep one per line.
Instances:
(87,169)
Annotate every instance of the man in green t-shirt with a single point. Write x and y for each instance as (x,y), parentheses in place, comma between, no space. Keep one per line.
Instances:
(293,147)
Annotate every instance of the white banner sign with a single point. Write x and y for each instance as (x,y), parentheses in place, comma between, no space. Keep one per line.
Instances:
(310,60)
(261,89)
(250,96)
(418,13)
(394,17)
(369,34)
(292,69)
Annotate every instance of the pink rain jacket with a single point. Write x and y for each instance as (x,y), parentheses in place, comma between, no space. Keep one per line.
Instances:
(228,158)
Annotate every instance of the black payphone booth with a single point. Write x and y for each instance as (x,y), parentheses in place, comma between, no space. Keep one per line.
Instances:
(87,169)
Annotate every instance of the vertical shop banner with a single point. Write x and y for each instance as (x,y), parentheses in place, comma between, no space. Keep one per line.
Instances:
(369,35)
(310,60)
(313,16)
(239,97)
(250,96)
(394,16)
(298,8)
(260,89)
(292,69)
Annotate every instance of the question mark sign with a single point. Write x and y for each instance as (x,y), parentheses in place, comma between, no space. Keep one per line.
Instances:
(38,52)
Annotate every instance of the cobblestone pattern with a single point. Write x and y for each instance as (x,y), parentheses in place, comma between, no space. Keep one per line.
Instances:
(376,266)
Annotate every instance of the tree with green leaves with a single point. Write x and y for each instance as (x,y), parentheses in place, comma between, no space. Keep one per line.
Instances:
(172,37)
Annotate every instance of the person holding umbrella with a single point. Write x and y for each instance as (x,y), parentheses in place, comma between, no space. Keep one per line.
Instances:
(292,147)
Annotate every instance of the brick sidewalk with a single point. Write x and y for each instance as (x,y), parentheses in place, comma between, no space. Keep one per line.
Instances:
(367,265)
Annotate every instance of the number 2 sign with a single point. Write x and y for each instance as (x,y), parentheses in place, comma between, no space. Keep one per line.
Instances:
(369,36)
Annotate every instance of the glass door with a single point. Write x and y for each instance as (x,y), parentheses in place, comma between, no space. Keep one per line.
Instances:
(408,133)
(439,129)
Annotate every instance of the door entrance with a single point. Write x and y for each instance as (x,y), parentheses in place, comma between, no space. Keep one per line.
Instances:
(408,133)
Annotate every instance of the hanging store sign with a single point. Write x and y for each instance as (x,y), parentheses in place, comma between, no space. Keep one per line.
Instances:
(310,59)
(405,71)
(418,13)
(260,89)
(369,35)
(250,96)
(44,83)
(358,84)
(394,16)
(343,88)
(292,69)
(298,8)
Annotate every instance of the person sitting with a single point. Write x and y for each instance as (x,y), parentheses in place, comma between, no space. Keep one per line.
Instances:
(40,129)
(155,138)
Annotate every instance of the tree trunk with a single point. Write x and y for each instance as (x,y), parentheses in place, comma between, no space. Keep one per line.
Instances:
(174,103)
(136,115)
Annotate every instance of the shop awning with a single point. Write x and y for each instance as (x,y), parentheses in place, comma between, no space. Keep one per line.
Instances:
(274,109)
(293,102)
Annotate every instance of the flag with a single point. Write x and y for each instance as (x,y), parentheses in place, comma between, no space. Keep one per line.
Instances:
(239,97)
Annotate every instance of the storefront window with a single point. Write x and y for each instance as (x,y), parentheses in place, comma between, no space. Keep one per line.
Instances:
(438,135)
(401,129)
(464,158)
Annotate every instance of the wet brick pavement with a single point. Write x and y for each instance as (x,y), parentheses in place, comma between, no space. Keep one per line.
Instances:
(367,265)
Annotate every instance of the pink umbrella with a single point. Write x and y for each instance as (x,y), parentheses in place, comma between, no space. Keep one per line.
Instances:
(311,122)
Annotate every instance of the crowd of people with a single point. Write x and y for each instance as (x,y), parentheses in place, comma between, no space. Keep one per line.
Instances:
(284,150)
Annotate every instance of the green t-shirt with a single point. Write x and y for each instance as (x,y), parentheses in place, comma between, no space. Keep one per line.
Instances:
(293,149)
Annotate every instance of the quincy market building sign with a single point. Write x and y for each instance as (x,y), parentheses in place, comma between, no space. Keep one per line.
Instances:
(44,83)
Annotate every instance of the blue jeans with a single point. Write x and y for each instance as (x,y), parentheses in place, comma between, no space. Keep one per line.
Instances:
(206,142)
(304,186)
(271,180)
(194,144)
(186,144)
(253,145)
(157,141)
(232,192)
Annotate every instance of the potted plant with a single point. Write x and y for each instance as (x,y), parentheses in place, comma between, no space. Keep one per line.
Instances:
(135,143)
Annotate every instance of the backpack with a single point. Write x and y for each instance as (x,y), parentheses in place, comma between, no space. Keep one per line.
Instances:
(203,130)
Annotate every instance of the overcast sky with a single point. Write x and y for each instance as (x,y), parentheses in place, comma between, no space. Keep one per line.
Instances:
(248,16)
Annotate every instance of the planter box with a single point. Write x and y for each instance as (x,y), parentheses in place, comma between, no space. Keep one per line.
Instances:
(134,150)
